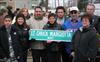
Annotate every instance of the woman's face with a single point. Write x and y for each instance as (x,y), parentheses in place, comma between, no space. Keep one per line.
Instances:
(25,12)
(46,14)
(51,19)
(20,20)
(85,22)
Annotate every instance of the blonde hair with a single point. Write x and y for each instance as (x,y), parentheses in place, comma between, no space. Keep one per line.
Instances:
(23,9)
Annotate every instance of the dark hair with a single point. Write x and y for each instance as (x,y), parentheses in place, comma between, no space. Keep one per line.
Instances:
(17,9)
(8,16)
(37,7)
(20,15)
(51,14)
(24,24)
(86,16)
(55,22)
(60,7)
(9,7)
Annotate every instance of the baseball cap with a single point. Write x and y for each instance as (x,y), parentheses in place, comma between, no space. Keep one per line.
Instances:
(73,8)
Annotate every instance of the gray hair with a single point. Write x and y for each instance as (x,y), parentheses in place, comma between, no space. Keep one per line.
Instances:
(91,4)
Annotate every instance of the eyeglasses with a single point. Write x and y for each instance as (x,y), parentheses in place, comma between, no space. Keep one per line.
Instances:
(73,12)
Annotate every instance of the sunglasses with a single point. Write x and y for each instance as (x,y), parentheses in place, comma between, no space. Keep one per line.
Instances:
(73,12)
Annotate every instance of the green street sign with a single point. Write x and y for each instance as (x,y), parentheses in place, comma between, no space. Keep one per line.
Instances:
(52,35)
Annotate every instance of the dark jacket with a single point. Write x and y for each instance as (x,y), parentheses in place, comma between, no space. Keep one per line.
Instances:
(97,25)
(4,43)
(53,46)
(95,22)
(54,26)
(85,44)
(1,20)
(22,35)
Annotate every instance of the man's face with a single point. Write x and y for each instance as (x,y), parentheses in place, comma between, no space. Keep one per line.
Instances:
(7,22)
(38,12)
(60,13)
(90,9)
(74,14)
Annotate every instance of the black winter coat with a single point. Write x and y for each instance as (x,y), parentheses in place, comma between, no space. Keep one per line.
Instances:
(54,46)
(95,22)
(22,36)
(4,43)
(85,44)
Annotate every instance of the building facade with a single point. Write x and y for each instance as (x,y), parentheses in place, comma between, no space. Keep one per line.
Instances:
(19,3)
(3,3)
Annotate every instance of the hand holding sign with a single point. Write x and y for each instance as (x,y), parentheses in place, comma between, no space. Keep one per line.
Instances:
(49,41)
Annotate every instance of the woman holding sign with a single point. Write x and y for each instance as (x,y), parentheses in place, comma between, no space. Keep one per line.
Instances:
(85,42)
(53,46)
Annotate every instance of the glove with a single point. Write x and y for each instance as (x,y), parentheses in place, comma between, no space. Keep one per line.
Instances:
(49,41)
(33,40)
(72,54)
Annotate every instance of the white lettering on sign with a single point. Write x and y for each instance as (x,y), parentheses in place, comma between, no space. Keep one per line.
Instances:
(38,33)
(58,34)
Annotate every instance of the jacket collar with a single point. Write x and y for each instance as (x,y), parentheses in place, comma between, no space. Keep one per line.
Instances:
(3,28)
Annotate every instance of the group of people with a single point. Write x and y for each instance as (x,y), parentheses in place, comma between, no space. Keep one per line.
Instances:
(15,43)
